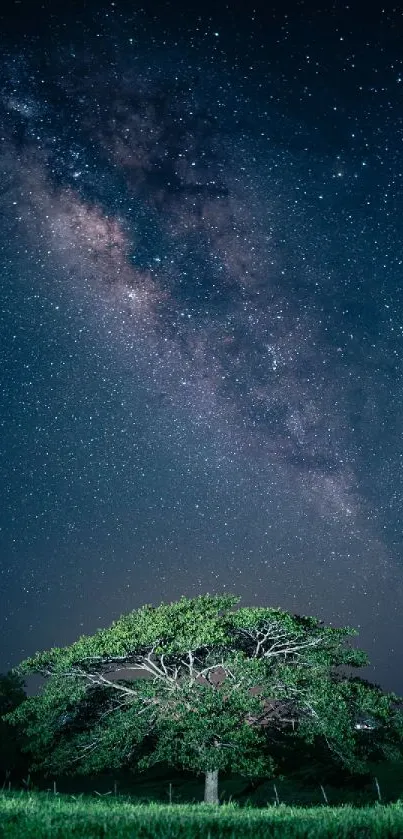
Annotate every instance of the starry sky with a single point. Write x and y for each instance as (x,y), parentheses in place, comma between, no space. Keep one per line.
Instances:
(201,314)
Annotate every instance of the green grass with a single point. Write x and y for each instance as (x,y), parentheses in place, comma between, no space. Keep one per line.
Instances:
(43,815)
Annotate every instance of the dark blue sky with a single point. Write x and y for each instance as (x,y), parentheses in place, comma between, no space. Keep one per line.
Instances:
(202,316)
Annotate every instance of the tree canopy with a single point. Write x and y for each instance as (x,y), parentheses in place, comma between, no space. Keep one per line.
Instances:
(203,684)
(12,693)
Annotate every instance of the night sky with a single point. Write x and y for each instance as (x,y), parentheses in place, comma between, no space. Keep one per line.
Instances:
(201,314)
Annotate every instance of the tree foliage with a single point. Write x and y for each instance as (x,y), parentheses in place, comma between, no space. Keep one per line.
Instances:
(204,685)
(12,694)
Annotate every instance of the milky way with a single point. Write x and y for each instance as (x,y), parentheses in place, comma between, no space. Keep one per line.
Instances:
(232,270)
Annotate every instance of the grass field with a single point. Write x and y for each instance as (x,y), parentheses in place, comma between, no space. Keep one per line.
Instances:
(43,815)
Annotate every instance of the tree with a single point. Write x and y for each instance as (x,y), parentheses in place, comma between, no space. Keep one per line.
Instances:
(203,685)
(12,694)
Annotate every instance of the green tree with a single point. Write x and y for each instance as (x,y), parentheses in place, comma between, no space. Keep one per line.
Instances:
(202,685)
(12,693)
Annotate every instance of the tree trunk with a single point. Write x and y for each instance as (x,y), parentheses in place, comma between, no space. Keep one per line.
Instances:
(211,787)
